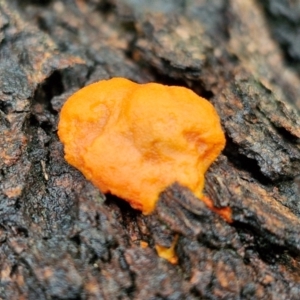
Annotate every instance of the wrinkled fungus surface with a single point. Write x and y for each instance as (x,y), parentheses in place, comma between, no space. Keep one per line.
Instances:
(133,140)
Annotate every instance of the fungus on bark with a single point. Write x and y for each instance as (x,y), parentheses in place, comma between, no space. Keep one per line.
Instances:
(133,140)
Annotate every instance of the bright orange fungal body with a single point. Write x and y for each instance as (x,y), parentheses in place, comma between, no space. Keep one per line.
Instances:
(133,140)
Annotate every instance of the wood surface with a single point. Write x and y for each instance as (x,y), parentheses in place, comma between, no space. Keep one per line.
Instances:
(61,238)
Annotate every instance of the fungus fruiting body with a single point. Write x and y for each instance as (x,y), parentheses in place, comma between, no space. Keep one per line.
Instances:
(133,140)
(168,253)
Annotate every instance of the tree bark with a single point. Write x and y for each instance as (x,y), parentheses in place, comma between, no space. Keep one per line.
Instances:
(61,238)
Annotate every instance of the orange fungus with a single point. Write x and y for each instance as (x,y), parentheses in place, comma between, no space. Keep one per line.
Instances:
(133,140)
(168,253)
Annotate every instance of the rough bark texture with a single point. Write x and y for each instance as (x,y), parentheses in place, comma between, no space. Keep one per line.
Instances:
(60,238)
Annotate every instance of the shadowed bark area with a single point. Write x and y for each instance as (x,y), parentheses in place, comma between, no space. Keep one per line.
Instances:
(61,238)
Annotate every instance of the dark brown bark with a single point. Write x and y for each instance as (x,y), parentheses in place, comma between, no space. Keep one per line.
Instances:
(60,238)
